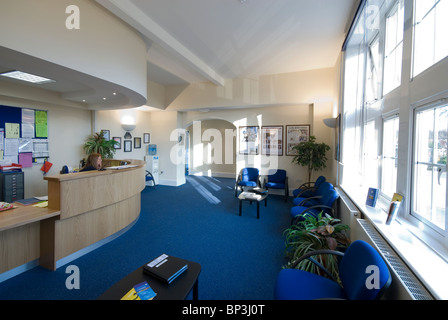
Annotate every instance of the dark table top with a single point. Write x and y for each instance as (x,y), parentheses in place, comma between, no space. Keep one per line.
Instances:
(176,290)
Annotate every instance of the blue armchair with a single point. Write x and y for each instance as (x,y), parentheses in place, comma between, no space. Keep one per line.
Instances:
(307,187)
(363,273)
(248,177)
(278,180)
(325,205)
(314,197)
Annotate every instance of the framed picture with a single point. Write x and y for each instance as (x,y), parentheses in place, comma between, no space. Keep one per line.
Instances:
(272,140)
(137,143)
(117,145)
(106,134)
(248,137)
(146,138)
(294,135)
(127,145)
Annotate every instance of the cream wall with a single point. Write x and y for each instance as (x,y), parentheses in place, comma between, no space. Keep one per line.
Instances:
(281,89)
(111,120)
(273,115)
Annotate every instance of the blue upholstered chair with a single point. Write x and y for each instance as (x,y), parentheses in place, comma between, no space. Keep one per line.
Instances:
(248,177)
(363,273)
(308,199)
(278,180)
(308,188)
(325,205)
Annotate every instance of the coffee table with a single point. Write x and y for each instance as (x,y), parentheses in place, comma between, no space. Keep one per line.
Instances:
(257,195)
(177,290)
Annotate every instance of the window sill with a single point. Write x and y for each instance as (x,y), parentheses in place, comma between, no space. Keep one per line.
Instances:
(429,267)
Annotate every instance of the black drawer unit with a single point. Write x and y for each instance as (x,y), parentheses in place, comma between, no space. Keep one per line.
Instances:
(11,186)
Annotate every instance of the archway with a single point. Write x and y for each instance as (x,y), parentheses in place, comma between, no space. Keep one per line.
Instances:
(211,148)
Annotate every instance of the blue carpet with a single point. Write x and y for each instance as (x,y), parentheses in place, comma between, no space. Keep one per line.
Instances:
(198,221)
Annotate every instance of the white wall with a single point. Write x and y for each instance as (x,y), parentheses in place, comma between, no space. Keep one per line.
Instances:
(164,127)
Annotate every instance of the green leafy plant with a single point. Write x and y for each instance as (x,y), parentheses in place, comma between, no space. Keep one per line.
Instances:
(312,155)
(98,144)
(310,234)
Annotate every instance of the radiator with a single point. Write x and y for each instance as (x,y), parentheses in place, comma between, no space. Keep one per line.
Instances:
(405,285)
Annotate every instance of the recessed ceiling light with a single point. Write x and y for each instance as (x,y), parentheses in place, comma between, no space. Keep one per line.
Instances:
(19,75)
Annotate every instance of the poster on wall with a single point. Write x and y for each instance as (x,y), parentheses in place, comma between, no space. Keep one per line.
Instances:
(272,140)
(248,138)
(294,135)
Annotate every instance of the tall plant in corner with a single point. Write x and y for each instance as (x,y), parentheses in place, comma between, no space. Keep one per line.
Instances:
(312,155)
(98,144)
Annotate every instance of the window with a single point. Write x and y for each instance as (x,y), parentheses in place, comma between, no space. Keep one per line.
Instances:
(370,147)
(390,157)
(430,33)
(373,64)
(393,52)
(429,166)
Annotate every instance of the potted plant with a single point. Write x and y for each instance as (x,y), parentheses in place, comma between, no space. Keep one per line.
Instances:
(98,144)
(310,234)
(312,155)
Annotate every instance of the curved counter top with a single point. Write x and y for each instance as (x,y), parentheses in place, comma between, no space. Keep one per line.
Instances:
(93,205)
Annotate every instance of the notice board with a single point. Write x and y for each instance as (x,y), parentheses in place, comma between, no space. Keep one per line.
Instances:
(23,135)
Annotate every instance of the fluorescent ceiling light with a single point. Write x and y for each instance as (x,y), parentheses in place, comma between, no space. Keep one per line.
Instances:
(19,75)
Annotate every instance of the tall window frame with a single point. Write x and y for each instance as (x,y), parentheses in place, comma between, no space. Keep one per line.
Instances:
(430,34)
(393,51)
(429,167)
(389,156)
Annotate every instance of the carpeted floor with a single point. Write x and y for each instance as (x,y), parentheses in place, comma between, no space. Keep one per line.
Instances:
(198,221)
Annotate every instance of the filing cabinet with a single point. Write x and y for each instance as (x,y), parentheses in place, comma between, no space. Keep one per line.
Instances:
(11,186)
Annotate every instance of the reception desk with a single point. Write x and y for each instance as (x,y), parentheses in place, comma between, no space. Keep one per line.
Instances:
(93,205)
(83,209)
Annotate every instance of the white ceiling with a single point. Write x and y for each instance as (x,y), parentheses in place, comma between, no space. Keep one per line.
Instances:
(211,40)
(191,41)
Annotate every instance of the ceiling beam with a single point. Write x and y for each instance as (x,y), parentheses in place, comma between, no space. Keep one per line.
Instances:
(132,15)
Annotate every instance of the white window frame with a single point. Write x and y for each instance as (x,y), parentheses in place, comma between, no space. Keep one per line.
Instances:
(375,70)
(393,52)
(427,227)
(416,23)
(392,117)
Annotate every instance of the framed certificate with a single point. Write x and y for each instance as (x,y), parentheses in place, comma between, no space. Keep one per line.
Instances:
(272,140)
(248,138)
(294,135)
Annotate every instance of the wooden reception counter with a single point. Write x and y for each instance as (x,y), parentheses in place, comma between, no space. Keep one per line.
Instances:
(93,205)
(83,209)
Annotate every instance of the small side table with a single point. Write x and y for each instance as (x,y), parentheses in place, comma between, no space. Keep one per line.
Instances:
(253,196)
(177,290)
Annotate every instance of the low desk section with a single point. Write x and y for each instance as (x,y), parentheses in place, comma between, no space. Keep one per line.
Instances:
(20,235)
